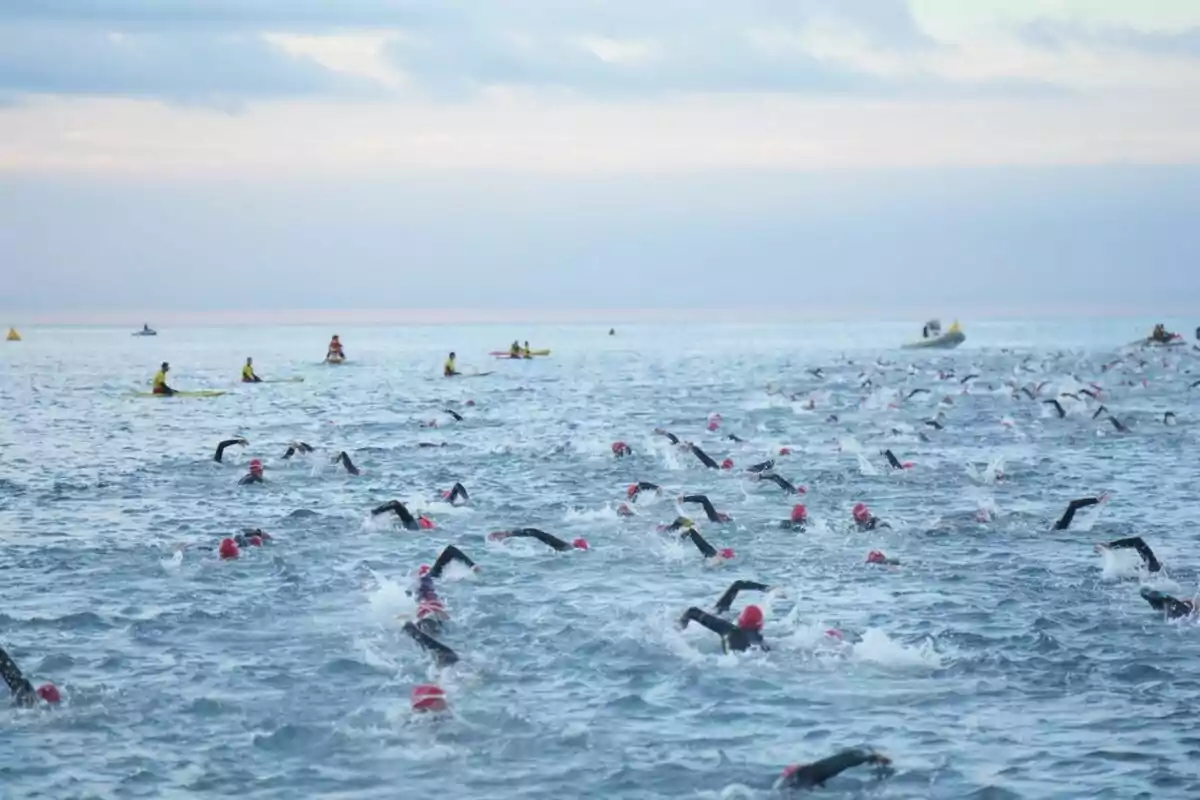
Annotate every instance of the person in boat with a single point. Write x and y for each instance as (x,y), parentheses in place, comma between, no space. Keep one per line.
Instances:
(526,352)
(547,539)
(160,380)
(248,375)
(514,350)
(335,352)
(146,329)
(1159,334)
(448,369)
(23,693)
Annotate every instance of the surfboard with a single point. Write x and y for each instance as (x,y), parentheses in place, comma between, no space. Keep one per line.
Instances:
(294,379)
(508,353)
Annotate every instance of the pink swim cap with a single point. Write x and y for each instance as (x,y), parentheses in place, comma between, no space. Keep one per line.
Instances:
(632,490)
(799,513)
(726,552)
(619,447)
(785,451)
(624,511)
(49,693)
(875,557)
(255,465)
(256,541)
(727,464)
(422,570)
(228,549)
(860,511)
(428,697)
(580,544)
(751,618)
(713,424)
(425,524)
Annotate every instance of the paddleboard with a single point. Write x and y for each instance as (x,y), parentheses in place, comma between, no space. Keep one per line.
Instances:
(476,375)
(295,379)
(333,362)
(508,354)
(197,393)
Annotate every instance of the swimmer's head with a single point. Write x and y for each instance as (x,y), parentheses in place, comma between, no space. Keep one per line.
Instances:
(428,697)
(861,512)
(228,548)
(726,553)
(256,467)
(632,490)
(785,451)
(876,557)
(422,570)
(580,544)
(624,510)
(727,464)
(49,693)
(751,619)
(799,513)
(620,449)
(425,524)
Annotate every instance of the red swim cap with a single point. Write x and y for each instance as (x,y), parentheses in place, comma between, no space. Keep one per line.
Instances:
(49,693)
(619,447)
(876,557)
(425,524)
(255,465)
(580,544)
(228,549)
(624,511)
(785,451)
(751,618)
(801,490)
(726,552)
(428,697)
(799,513)
(632,490)
(908,465)
(860,511)
(713,424)
(423,570)
(727,464)
(256,541)
(833,633)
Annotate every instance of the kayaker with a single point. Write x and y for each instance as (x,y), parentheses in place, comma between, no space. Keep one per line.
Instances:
(514,351)
(448,369)
(248,375)
(335,352)
(526,352)
(160,380)
(23,693)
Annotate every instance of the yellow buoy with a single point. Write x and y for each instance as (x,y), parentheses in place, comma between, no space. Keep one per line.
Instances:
(13,336)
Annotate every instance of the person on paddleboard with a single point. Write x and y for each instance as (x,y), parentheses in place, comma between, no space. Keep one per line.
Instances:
(448,369)
(23,693)
(335,352)
(160,380)
(248,375)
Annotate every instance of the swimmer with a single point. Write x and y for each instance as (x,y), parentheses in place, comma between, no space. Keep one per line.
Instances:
(735,438)
(160,380)
(779,481)
(916,392)
(672,438)
(409,522)
(248,375)
(431,613)
(877,557)
(543,537)
(738,638)
(457,417)
(705,459)
(894,462)
(1169,418)
(344,460)
(448,369)
(297,447)
(762,467)
(808,776)
(23,693)
(709,511)
(457,492)
(220,454)
(864,520)
(680,523)
(799,519)
(635,489)
(252,537)
(255,475)
(620,449)
(1064,521)
(726,600)
(1135,543)
(1057,407)
(335,351)
(443,656)
(710,553)
(1174,607)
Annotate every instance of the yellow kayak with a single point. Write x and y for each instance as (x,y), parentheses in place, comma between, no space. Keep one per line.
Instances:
(197,393)
(13,336)
(949,340)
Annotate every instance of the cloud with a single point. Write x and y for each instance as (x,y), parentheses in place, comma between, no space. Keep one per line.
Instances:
(1058,35)
(225,47)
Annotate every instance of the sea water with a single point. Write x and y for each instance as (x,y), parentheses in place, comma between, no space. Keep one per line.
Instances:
(1000,659)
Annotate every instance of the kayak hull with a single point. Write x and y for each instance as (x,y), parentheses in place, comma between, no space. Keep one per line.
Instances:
(335,361)
(198,393)
(507,354)
(947,341)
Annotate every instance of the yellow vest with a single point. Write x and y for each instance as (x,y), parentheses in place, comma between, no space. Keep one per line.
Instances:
(247,372)
(160,379)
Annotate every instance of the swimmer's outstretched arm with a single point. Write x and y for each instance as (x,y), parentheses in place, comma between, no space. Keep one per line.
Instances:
(1174,607)
(457,491)
(345,461)
(780,481)
(406,518)
(457,417)
(715,624)
(451,553)
(703,500)
(704,457)
(816,773)
(706,549)
(1143,550)
(22,690)
(892,460)
(543,537)
(1064,521)
(732,592)
(217,456)
(442,654)
(763,467)
(670,436)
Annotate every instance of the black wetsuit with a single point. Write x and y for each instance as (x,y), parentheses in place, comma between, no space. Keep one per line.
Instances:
(297,447)
(779,481)
(815,774)
(733,438)
(712,513)
(794,525)
(406,518)
(672,438)
(1174,607)
(731,593)
(763,467)
(344,460)
(457,417)
(871,523)
(253,477)
(643,486)
(1064,521)
(733,638)
(244,538)
(1143,550)
(706,549)
(442,654)
(533,533)
(704,457)
(220,454)
(457,491)
(680,523)
(22,690)
(892,460)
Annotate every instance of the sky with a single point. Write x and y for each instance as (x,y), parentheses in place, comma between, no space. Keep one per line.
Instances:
(807,157)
